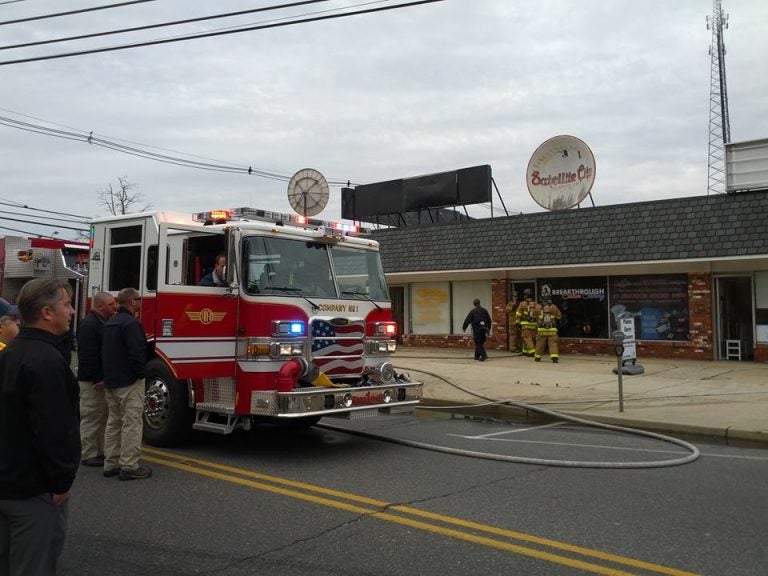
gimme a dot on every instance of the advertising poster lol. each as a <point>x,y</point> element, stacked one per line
<point>430,308</point>
<point>657,303</point>
<point>583,303</point>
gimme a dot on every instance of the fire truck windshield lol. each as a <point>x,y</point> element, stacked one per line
<point>289,267</point>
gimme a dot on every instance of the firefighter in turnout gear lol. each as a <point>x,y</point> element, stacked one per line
<point>527,322</point>
<point>547,316</point>
<point>513,327</point>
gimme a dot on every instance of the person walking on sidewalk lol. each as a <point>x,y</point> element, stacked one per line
<point>513,327</point>
<point>547,316</point>
<point>124,363</point>
<point>90,378</point>
<point>527,322</point>
<point>40,442</point>
<point>480,321</point>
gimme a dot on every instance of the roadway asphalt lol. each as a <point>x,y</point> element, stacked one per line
<point>724,399</point>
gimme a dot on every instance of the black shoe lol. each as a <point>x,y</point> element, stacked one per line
<point>554,360</point>
<point>483,358</point>
<point>94,461</point>
<point>111,473</point>
<point>537,359</point>
<point>135,473</point>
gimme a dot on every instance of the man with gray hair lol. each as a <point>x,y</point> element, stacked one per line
<point>124,362</point>
<point>90,377</point>
<point>40,439</point>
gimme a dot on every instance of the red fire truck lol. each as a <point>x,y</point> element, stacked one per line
<point>301,329</point>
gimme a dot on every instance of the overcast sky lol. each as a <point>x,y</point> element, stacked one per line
<point>371,97</point>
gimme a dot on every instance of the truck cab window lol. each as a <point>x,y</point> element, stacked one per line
<point>359,274</point>
<point>287,267</point>
<point>125,257</point>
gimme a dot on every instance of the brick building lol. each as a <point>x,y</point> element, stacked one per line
<point>692,272</point>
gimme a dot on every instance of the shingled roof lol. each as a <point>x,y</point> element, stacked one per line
<point>699,227</point>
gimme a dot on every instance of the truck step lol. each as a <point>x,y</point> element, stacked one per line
<point>203,422</point>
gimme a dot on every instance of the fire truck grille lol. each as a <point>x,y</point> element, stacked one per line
<point>337,346</point>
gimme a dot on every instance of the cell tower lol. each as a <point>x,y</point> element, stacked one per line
<point>719,125</point>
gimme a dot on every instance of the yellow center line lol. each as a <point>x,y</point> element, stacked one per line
<point>243,477</point>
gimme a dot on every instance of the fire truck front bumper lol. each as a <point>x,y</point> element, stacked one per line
<point>340,402</point>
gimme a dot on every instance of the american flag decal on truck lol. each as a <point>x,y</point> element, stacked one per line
<point>337,346</point>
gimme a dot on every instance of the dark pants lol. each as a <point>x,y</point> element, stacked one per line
<point>32,532</point>
<point>479,338</point>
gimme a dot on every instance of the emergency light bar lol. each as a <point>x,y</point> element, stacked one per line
<point>280,219</point>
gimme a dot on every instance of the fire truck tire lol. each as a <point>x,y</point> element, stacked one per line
<point>167,416</point>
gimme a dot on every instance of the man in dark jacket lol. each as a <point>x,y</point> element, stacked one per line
<point>90,377</point>
<point>217,276</point>
<point>480,321</point>
<point>39,432</point>
<point>124,358</point>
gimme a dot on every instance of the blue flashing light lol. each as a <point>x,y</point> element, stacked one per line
<point>296,328</point>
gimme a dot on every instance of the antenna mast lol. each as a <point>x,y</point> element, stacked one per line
<point>719,124</point>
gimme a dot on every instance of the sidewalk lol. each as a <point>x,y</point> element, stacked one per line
<point>718,399</point>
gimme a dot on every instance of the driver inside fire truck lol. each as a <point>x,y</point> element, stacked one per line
<point>217,276</point>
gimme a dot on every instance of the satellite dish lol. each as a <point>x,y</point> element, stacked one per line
<point>560,173</point>
<point>308,192</point>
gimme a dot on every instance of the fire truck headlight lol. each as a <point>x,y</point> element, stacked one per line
<point>387,396</point>
<point>382,346</point>
<point>288,349</point>
<point>346,400</point>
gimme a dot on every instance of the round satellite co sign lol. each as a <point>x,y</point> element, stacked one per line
<point>560,173</point>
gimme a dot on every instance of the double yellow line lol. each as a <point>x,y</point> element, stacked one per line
<point>482,534</point>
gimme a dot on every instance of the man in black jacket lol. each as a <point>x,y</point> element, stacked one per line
<point>90,377</point>
<point>480,321</point>
<point>124,362</point>
<point>39,432</point>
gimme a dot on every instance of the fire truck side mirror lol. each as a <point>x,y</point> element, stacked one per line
<point>231,268</point>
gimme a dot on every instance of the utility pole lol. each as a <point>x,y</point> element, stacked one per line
<point>719,124</point>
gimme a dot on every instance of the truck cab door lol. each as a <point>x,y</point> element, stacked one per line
<point>195,326</point>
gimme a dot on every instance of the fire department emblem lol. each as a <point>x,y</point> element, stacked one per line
<point>206,316</point>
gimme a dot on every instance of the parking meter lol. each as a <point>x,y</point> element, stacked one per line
<point>618,341</point>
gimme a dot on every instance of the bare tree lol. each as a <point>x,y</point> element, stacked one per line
<point>122,199</point>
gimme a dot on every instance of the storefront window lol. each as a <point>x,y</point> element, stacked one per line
<point>583,303</point>
<point>464,294</point>
<point>430,308</point>
<point>659,305</point>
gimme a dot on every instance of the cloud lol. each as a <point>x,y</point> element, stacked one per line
<point>380,96</point>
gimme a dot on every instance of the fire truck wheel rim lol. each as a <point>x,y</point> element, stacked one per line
<point>156,403</point>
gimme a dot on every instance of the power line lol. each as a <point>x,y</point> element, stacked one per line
<point>19,205</point>
<point>27,231</point>
<point>216,33</point>
<point>46,225</point>
<point>56,15</point>
<point>146,154</point>
<point>45,217</point>
<point>160,25</point>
